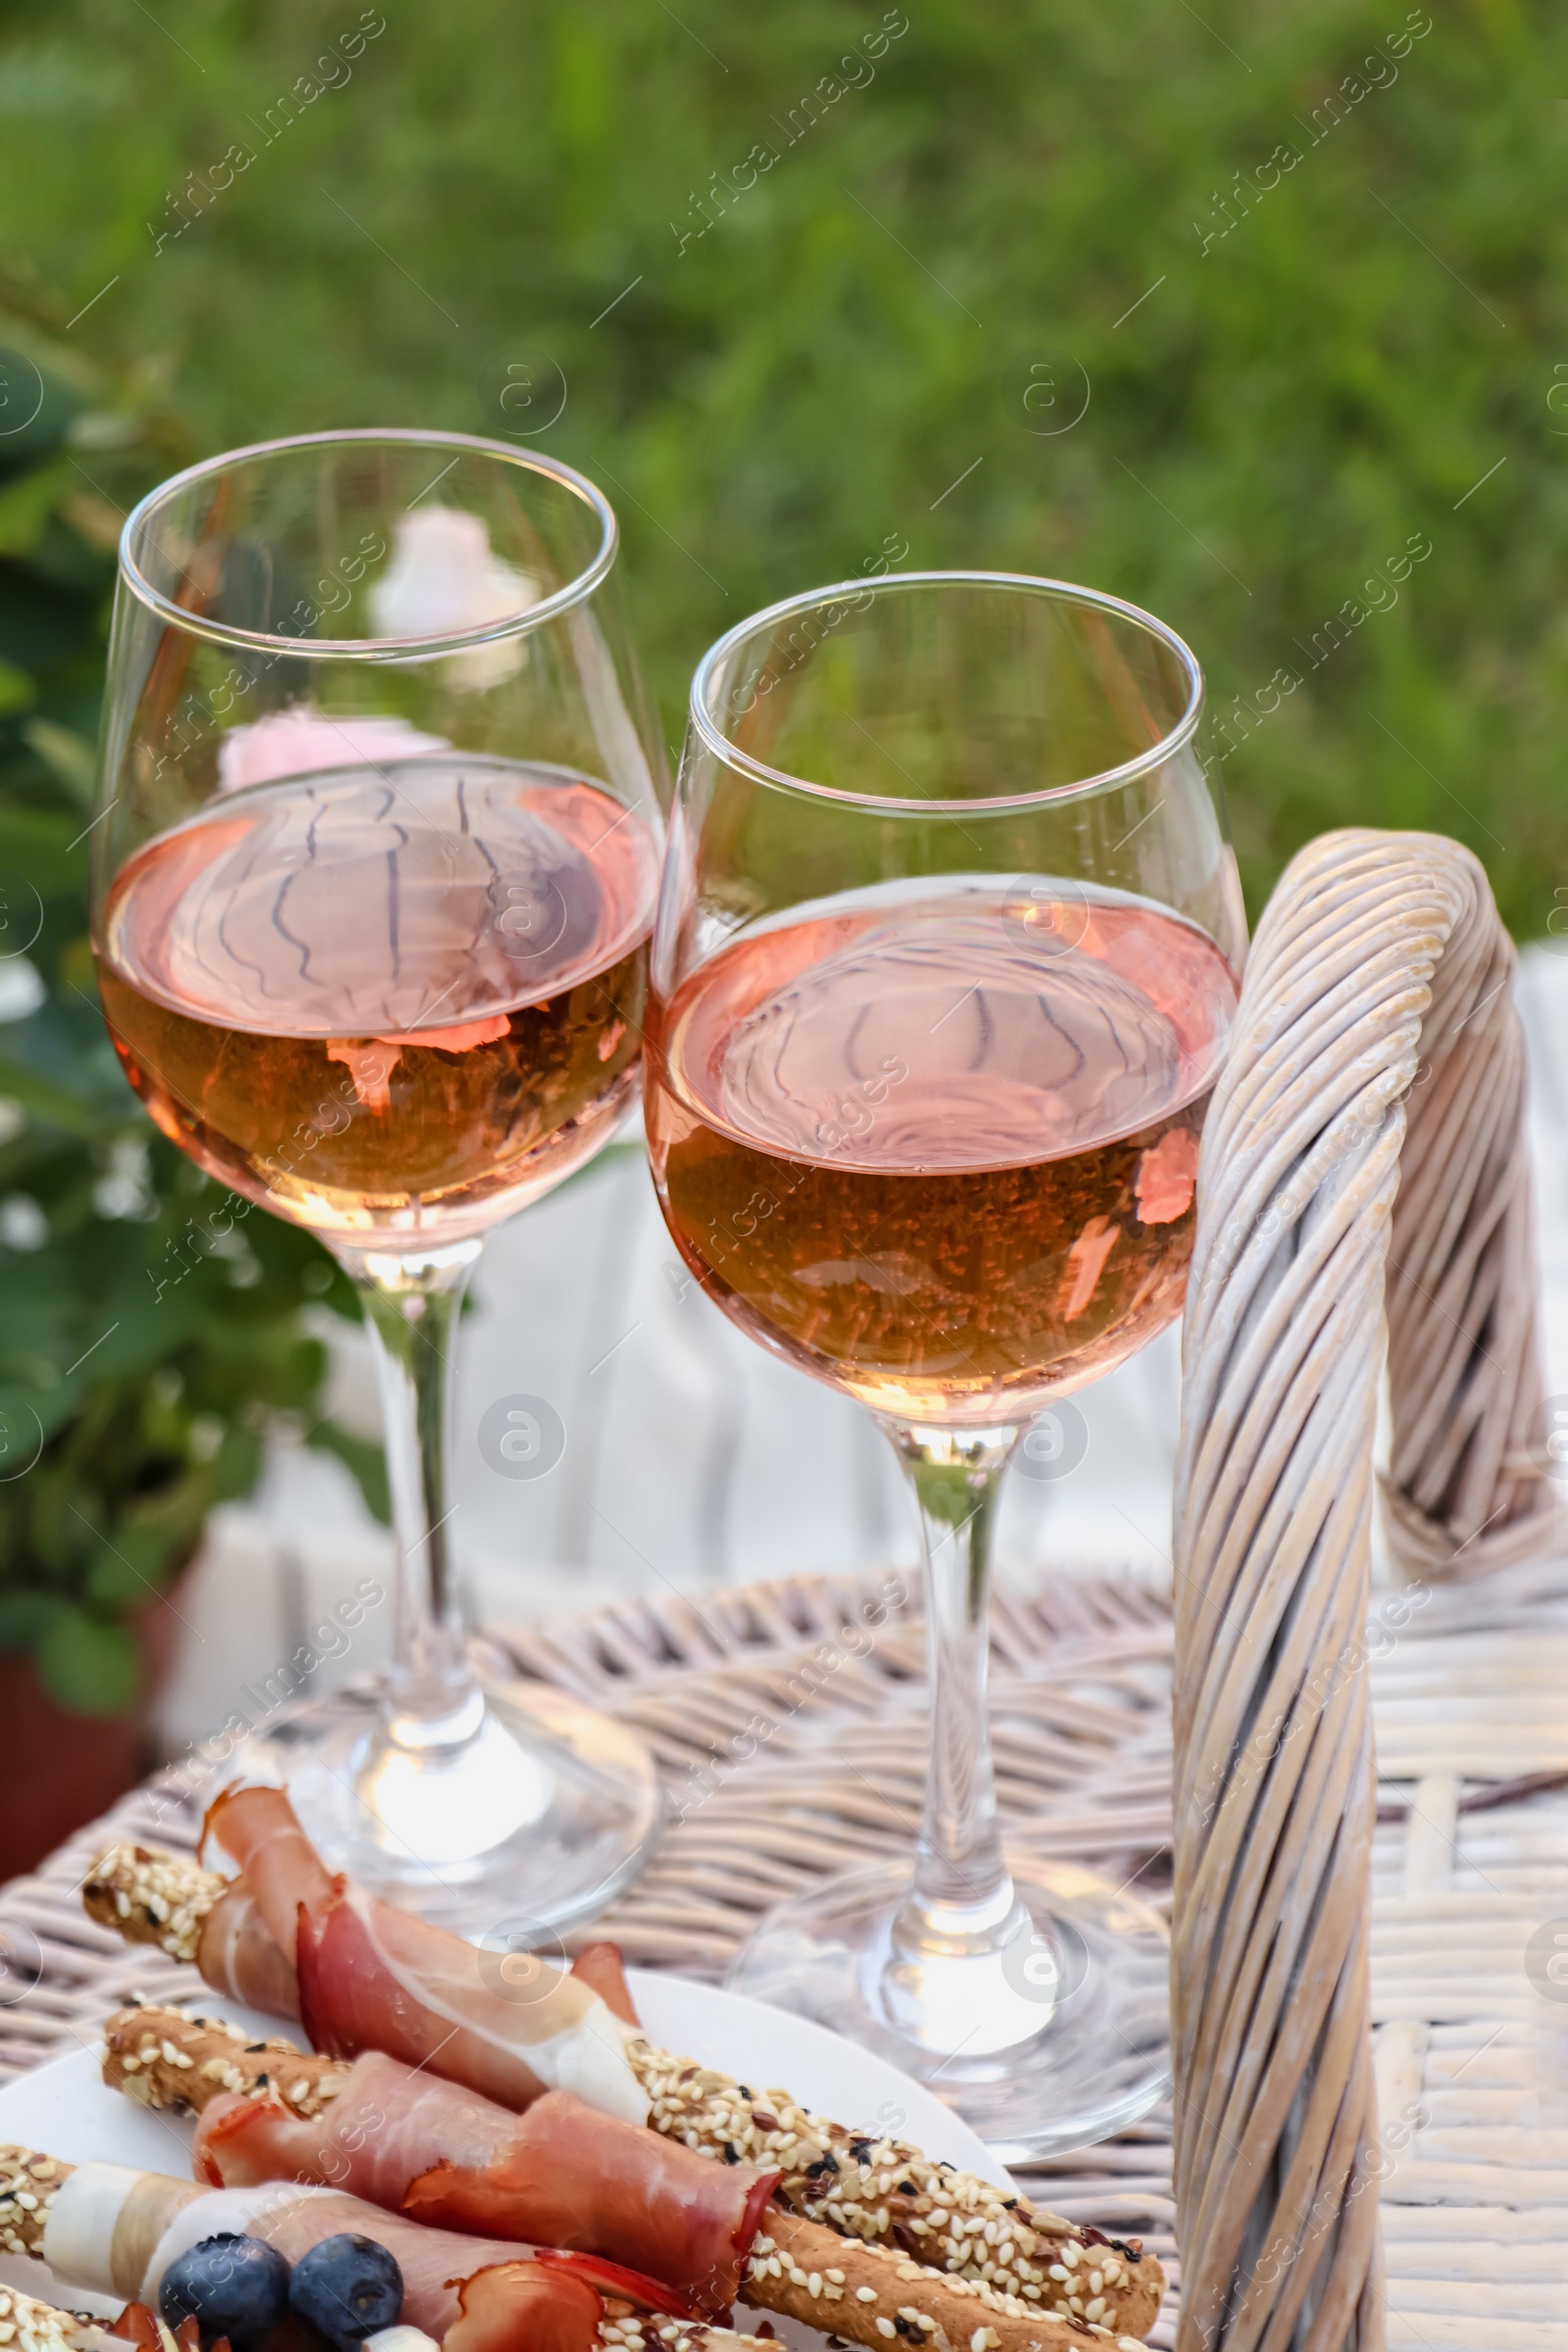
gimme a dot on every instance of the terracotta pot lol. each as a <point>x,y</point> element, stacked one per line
<point>59,1769</point>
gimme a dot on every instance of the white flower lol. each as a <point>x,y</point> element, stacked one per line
<point>23,1223</point>
<point>124,1190</point>
<point>445,576</point>
<point>21,988</point>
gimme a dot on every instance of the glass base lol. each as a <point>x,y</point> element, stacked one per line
<point>1055,2041</point>
<point>530,1826</point>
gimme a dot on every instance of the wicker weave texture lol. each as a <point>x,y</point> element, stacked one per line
<point>1380,972</point>
<point>1472,2062</point>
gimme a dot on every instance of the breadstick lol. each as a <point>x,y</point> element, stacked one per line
<point>875,2295</point>
<point>878,2190</point>
<point>162,2059</point>
<point>149,1897</point>
<point>29,2325</point>
<point>27,2185</point>
<point>863,2291</point>
<point>623,2329</point>
<point>884,2191</point>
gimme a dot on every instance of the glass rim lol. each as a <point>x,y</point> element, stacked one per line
<point>706,726</point>
<point>373,649</point>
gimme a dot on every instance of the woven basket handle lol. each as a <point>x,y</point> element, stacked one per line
<point>1364,1154</point>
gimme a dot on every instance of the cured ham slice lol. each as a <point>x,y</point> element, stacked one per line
<point>572,2176</point>
<point>117,2230</point>
<point>520,2307</point>
<point>602,1968</point>
<point>238,1954</point>
<point>260,1831</point>
<point>373,1976</point>
<point>564,2173</point>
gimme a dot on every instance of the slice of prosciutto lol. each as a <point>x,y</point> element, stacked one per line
<point>564,2173</point>
<point>602,1968</point>
<point>522,2307</point>
<point>372,1976</point>
<point>238,1954</point>
<point>118,2230</point>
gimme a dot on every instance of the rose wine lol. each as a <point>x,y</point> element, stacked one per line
<point>936,1141</point>
<point>387,1002</point>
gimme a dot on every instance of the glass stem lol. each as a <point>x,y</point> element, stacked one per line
<point>411,1306</point>
<point>961,1903</point>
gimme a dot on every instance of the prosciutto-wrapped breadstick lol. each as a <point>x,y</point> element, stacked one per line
<point>490,2311</point>
<point>117,2230</point>
<point>564,2173</point>
<point>268,2112</point>
<point>373,1977</point>
<point>879,2190</point>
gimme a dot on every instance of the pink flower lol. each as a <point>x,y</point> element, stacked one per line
<point>299,740</point>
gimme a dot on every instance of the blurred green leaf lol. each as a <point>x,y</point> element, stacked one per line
<point>136,1379</point>
<point>365,1459</point>
<point>26,504</point>
<point>68,756</point>
<point>47,1099</point>
<point>37,847</point>
<point>88,1665</point>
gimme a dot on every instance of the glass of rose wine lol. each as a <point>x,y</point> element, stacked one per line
<point>375,862</point>
<point>945,964</point>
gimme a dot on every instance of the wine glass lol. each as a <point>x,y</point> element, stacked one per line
<point>375,861</point>
<point>945,964</point>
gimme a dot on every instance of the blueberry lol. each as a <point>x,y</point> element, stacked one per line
<point>229,2286</point>
<point>348,2288</point>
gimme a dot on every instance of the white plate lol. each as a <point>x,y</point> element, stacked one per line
<point>65,2108</point>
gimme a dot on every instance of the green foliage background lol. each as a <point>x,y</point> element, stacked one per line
<point>147,1336</point>
<point>1376,333</point>
<point>886,335</point>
